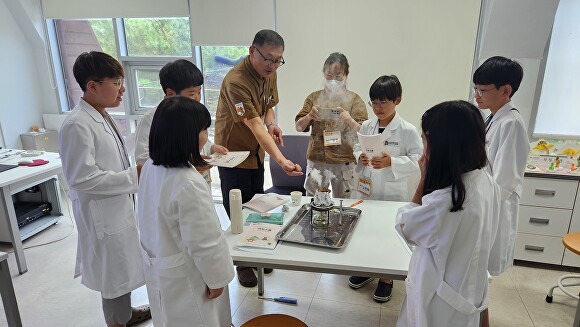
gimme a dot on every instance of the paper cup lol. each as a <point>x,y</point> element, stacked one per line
<point>296,197</point>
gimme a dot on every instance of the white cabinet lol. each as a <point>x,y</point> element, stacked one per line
<point>549,209</point>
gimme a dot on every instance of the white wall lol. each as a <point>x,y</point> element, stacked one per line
<point>427,44</point>
<point>519,29</point>
<point>514,28</point>
<point>25,91</point>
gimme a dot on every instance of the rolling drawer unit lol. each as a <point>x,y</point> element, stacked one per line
<point>549,209</point>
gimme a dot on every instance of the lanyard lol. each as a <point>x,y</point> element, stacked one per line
<point>489,121</point>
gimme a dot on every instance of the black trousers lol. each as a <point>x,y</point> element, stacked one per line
<point>249,181</point>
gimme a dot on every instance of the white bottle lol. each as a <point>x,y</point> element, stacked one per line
<point>236,211</point>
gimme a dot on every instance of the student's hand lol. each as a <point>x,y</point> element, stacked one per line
<point>381,162</point>
<point>363,159</point>
<point>139,167</point>
<point>203,169</point>
<point>291,169</point>
<point>276,133</point>
<point>212,293</point>
<point>313,114</point>
<point>218,149</point>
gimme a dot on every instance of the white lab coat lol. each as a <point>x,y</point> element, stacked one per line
<point>507,150</point>
<point>183,247</point>
<point>142,138</point>
<point>403,143</point>
<point>96,167</point>
<point>447,280</point>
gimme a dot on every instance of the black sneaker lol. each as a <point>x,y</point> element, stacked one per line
<point>383,292</point>
<point>357,282</point>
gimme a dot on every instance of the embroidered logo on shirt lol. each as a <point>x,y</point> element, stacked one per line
<point>240,109</point>
<point>393,143</point>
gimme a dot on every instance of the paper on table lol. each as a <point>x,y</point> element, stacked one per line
<point>371,145</point>
<point>259,235</point>
<point>265,202</point>
<point>229,160</point>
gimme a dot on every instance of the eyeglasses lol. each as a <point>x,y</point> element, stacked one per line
<point>118,83</point>
<point>480,92</point>
<point>338,77</point>
<point>276,63</point>
<point>377,103</point>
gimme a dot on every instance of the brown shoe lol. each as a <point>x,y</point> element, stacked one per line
<point>246,276</point>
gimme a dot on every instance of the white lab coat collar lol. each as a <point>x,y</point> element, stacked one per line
<point>506,108</point>
<point>394,124</point>
<point>94,113</point>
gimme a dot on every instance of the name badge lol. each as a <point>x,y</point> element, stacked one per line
<point>332,138</point>
<point>364,186</point>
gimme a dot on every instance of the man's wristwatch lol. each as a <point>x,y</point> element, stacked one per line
<point>270,124</point>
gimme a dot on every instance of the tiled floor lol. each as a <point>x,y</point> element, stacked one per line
<point>49,296</point>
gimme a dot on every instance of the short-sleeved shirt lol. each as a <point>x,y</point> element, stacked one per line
<point>244,95</point>
<point>334,154</point>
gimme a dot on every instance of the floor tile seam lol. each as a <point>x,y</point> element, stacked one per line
<point>525,307</point>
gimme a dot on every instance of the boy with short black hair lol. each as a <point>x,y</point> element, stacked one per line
<point>180,77</point>
<point>496,81</point>
<point>388,175</point>
<point>102,183</point>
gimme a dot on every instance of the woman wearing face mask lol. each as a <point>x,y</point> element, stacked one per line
<point>333,116</point>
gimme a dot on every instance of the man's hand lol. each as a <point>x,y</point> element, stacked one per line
<point>212,293</point>
<point>218,149</point>
<point>363,159</point>
<point>381,162</point>
<point>291,169</point>
<point>276,133</point>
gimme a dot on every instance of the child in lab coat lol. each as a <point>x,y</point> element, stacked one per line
<point>179,77</point>
<point>386,175</point>
<point>102,183</point>
<point>496,81</point>
<point>452,221</point>
<point>186,257</point>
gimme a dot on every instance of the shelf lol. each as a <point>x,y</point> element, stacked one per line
<point>37,226</point>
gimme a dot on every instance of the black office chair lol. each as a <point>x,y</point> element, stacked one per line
<point>294,149</point>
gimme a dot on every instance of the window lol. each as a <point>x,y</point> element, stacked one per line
<point>157,36</point>
<point>77,36</point>
<point>558,106</point>
<point>216,62</point>
<point>142,46</point>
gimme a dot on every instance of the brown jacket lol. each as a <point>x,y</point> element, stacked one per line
<point>335,154</point>
<point>244,95</point>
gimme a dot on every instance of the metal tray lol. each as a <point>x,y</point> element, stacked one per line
<point>299,229</point>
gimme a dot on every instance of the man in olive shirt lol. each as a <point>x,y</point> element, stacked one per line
<point>247,98</point>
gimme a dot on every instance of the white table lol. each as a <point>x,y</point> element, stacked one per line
<point>375,249</point>
<point>21,178</point>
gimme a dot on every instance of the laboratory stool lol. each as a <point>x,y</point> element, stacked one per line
<point>271,320</point>
<point>571,242</point>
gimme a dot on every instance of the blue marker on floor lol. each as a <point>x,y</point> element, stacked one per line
<point>283,299</point>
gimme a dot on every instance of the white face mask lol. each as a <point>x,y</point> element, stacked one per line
<point>334,85</point>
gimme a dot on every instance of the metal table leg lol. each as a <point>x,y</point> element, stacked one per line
<point>260,281</point>
<point>14,231</point>
<point>577,317</point>
<point>8,296</point>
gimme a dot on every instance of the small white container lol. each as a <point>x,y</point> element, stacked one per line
<point>296,197</point>
<point>236,216</point>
